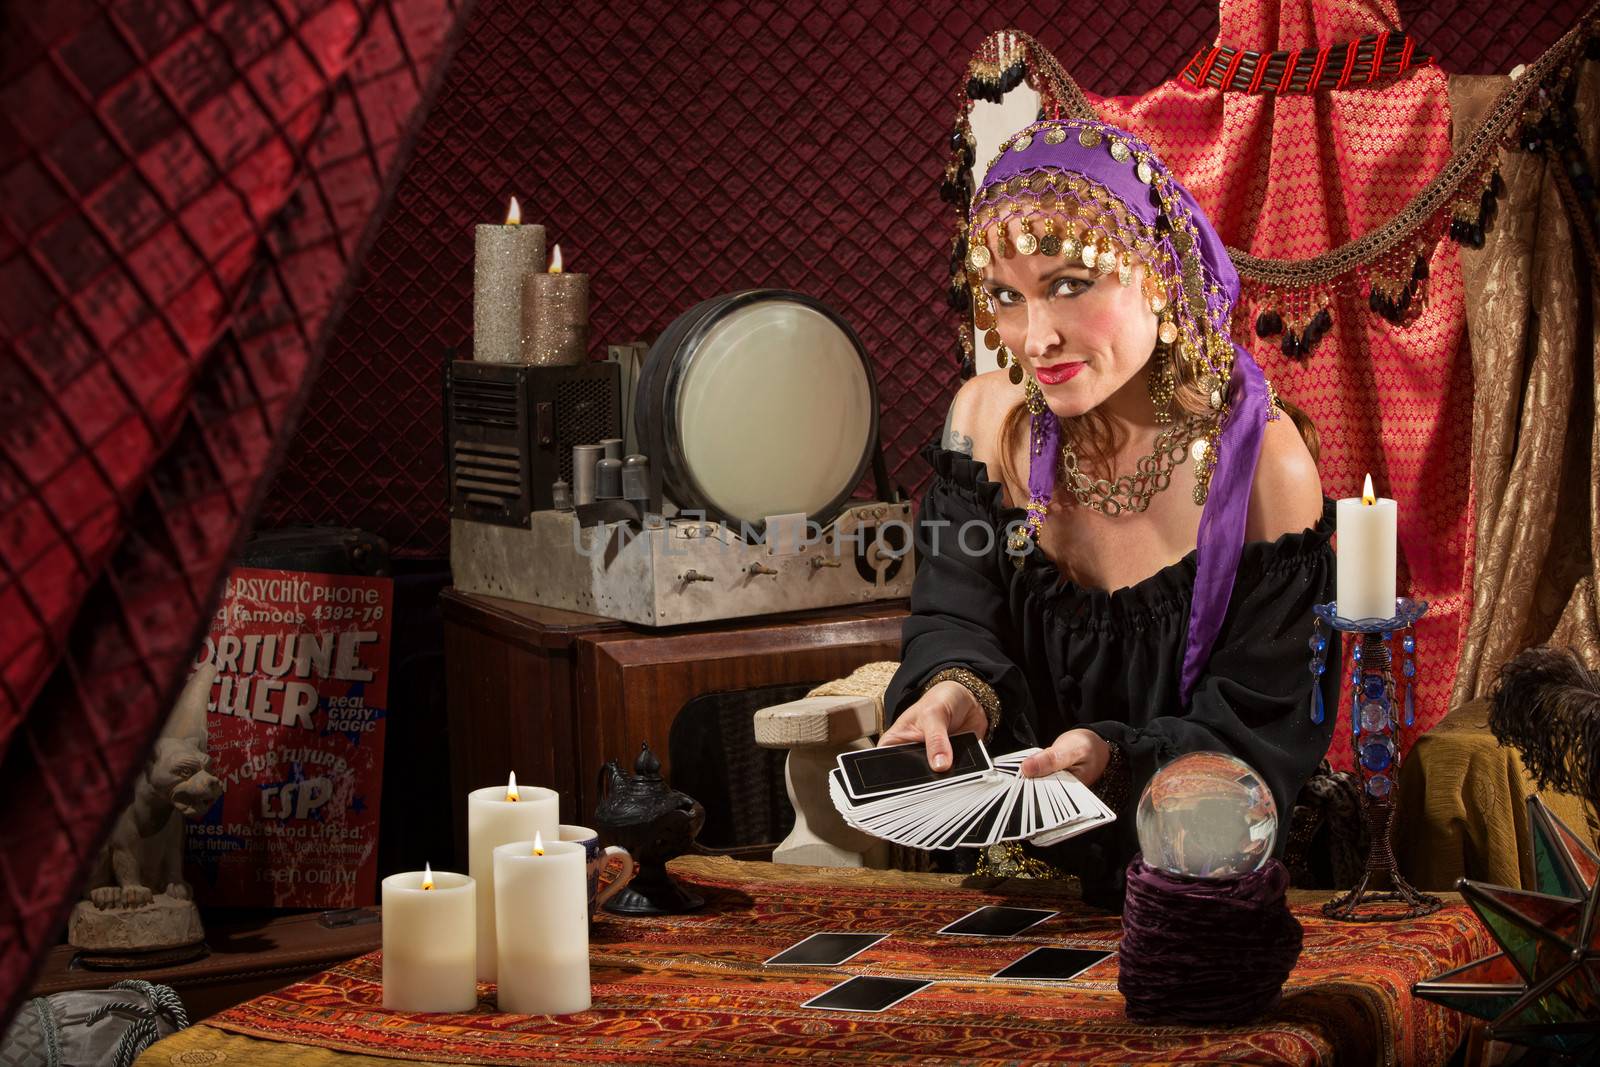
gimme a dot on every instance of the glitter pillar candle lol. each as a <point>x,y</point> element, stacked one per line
<point>493,818</point>
<point>555,316</point>
<point>502,257</point>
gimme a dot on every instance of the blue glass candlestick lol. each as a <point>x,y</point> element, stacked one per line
<point>1375,737</point>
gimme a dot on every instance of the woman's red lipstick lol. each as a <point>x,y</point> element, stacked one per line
<point>1059,373</point>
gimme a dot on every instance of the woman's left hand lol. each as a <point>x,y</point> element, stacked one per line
<point>1084,753</point>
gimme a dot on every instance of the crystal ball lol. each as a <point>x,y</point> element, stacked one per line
<point>1207,815</point>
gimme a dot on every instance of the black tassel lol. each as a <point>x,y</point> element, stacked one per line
<point>1317,328</point>
<point>1268,324</point>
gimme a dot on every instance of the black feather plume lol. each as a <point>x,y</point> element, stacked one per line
<point>1546,705</point>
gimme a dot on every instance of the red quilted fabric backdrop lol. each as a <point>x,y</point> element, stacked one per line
<point>184,191</point>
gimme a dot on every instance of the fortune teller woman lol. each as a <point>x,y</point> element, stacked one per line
<point>1123,537</point>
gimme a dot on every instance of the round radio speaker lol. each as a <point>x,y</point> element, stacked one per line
<point>758,403</point>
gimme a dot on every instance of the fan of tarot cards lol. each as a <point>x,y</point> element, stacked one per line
<point>894,794</point>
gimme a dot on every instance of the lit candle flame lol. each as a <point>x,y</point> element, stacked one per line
<point>514,213</point>
<point>511,788</point>
<point>555,261</point>
<point>538,843</point>
<point>1368,497</point>
<point>427,876</point>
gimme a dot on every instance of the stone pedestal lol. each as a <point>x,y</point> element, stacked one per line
<point>165,922</point>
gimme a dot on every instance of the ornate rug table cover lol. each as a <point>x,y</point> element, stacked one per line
<point>692,989</point>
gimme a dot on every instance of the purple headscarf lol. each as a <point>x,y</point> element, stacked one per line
<point>1128,169</point>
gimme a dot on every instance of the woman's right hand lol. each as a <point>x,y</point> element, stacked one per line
<point>946,708</point>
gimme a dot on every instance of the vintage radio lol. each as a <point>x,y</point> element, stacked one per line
<point>511,429</point>
<point>757,416</point>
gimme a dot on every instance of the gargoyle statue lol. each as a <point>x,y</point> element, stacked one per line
<point>137,898</point>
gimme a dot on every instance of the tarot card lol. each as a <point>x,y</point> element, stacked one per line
<point>873,772</point>
<point>866,992</point>
<point>1050,964</point>
<point>825,950</point>
<point>997,921</point>
<point>951,825</point>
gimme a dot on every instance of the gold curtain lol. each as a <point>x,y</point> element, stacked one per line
<point>1531,304</point>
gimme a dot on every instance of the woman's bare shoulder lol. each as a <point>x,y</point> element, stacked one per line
<point>976,412</point>
<point>1286,496</point>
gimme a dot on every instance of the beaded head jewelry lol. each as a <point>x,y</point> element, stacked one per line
<point>1099,196</point>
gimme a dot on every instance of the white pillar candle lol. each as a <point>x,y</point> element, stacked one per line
<point>494,819</point>
<point>430,942</point>
<point>542,926</point>
<point>1365,569</point>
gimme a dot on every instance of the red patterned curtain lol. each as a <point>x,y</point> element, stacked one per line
<point>1291,176</point>
<point>187,189</point>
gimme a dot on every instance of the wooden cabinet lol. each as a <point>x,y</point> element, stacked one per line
<point>554,694</point>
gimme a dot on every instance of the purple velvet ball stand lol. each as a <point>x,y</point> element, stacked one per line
<point>1205,950</point>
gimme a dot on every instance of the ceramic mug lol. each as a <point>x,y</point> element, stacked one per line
<point>597,858</point>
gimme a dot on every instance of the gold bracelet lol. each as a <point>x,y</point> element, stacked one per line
<point>981,690</point>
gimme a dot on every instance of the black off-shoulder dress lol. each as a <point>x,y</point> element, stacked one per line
<point>1062,656</point>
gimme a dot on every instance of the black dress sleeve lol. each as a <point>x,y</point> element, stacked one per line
<point>1254,698</point>
<point>959,597</point>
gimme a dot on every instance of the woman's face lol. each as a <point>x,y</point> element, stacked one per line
<point>1084,335</point>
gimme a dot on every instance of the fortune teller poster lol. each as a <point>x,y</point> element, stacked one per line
<point>296,721</point>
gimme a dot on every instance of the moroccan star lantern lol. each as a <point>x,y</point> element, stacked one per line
<point>1542,989</point>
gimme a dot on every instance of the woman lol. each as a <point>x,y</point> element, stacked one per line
<point>1148,586</point>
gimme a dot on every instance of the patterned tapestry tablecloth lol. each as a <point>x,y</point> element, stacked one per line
<point>691,989</point>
